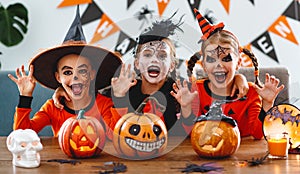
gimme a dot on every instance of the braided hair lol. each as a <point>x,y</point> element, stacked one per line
<point>224,36</point>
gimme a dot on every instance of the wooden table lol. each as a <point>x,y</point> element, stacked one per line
<point>177,156</point>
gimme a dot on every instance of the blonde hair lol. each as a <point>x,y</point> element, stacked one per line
<point>226,37</point>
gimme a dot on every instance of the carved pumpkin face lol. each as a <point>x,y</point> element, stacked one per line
<point>82,137</point>
<point>140,136</point>
<point>283,118</point>
<point>215,139</point>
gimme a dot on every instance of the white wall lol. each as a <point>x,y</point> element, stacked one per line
<point>49,24</point>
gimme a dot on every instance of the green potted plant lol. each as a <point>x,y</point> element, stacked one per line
<point>13,24</point>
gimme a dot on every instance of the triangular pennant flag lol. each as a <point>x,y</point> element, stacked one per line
<point>162,4</point>
<point>105,28</point>
<point>265,45</point>
<point>246,61</point>
<point>293,11</point>
<point>226,5</point>
<point>91,13</point>
<point>124,44</point>
<point>194,4</point>
<point>73,2</point>
<point>129,2</point>
<point>252,1</point>
<point>282,28</point>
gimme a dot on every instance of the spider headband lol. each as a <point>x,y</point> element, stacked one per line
<point>160,30</point>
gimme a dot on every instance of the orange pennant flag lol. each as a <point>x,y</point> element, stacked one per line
<point>105,28</point>
<point>246,61</point>
<point>282,28</point>
<point>162,4</point>
<point>226,5</point>
<point>73,2</point>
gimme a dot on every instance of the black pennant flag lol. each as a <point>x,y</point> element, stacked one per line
<point>129,2</point>
<point>252,1</point>
<point>194,4</point>
<point>91,13</point>
<point>265,45</point>
<point>124,44</point>
<point>293,11</point>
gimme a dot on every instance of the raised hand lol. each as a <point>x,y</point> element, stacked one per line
<point>25,83</point>
<point>121,85</point>
<point>269,91</point>
<point>184,97</point>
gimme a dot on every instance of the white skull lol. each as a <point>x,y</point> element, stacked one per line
<point>24,146</point>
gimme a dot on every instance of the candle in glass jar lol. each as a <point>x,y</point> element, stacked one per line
<point>277,146</point>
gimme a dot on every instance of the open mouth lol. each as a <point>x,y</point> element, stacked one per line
<point>144,146</point>
<point>85,145</point>
<point>220,77</point>
<point>153,71</point>
<point>76,88</point>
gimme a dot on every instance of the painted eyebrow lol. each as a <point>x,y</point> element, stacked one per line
<point>68,67</point>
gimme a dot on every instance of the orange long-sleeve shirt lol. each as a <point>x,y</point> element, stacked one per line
<point>51,115</point>
<point>245,112</point>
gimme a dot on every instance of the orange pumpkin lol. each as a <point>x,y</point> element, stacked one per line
<point>215,135</point>
<point>140,135</point>
<point>82,136</point>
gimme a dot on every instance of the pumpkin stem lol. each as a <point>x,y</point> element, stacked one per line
<point>139,110</point>
<point>81,114</point>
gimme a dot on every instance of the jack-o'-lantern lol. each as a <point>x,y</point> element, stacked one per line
<point>214,134</point>
<point>284,119</point>
<point>140,135</point>
<point>82,136</point>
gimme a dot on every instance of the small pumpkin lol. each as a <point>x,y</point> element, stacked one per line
<point>140,135</point>
<point>215,135</point>
<point>81,136</point>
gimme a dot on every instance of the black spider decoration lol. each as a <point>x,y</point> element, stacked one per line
<point>62,161</point>
<point>257,161</point>
<point>206,167</point>
<point>142,15</point>
<point>112,167</point>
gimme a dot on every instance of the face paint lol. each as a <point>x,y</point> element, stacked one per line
<point>154,61</point>
<point>220,62</point>
<point>75,75</point>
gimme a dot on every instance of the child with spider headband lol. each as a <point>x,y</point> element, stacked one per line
<point>80,69</point>
<point>155,64</point>
<point>221,54</point>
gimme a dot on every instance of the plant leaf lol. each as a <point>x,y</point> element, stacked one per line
<point>13,24</point>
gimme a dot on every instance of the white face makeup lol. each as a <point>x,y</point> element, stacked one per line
<point>154,61</point>
<point>75,74</point>
<point>220,63</point>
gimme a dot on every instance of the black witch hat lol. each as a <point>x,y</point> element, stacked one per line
<point>103,60</point>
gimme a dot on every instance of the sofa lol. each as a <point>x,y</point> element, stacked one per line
<point>9,95</point>
<point>280,72</point>
<point>9,98</point>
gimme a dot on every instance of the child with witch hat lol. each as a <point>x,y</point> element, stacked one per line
<point>80,69</point>
<point>221,54</point>
<point>155,64</point>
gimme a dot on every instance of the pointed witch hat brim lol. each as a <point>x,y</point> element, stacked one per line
<point>106,62</point>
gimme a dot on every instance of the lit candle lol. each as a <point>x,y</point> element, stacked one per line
<point>277,146</point>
